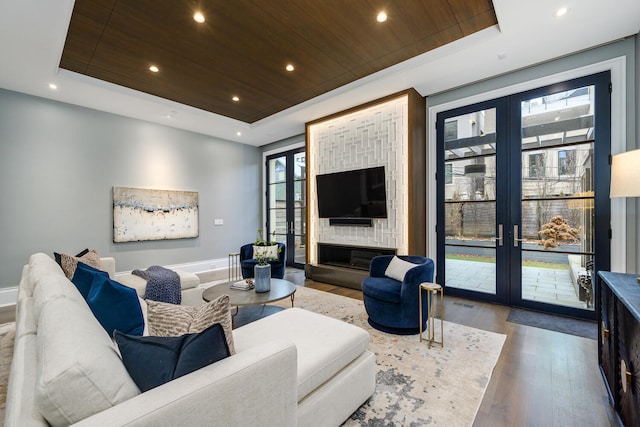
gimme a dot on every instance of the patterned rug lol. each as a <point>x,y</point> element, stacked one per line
<point>415,385</point>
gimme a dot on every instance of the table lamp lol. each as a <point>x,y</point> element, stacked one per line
<point>625,176</point>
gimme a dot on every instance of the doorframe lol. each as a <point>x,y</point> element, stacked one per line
<point>266,154</point>
<point>617,67</point>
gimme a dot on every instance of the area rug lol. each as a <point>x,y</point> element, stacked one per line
<point>7,335</point>
<point>416,385</point>
<point>566,325</point>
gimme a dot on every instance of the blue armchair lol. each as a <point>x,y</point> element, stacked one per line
<point>247,262</point>
<point>393,306</point>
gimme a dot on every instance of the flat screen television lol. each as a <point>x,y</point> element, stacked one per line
<point>352,194</point>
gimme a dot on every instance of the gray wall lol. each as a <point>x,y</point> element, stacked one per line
<point>629,48</point>
<point>58,164</point>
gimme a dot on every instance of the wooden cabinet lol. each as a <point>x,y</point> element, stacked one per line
<point>618,307</point>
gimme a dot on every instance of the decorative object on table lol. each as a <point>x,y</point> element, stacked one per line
<point>390,292</point>
<point>625,176</point>
<point>264,252</point>
<point>146,214</point>
<point>242,285</point>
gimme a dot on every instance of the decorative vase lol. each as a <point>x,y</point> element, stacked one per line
<point>262,277</point>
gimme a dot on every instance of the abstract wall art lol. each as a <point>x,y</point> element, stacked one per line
<point>146,214</point>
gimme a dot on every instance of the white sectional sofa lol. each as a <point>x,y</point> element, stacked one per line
<point>292,368</point>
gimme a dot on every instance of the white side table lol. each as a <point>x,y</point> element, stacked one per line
<point>434,291</point>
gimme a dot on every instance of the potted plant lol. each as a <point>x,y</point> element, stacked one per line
<point>263,252</point>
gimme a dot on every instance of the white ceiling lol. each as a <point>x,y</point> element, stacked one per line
<point>32,35</point>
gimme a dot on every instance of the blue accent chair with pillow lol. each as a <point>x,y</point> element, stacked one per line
<point>392,304</point>
<point>247,262</point>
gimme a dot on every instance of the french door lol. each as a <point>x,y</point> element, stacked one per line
<point>522,190</point>
<point>286,203</point>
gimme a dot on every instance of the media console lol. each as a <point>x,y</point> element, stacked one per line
<point>344,265</point>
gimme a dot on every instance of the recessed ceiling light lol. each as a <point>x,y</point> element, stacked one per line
<point>382,16</point>
<point>239,133</point>
<point>154,69</point>
<point>290,67</point>
<point>53,86</point>
<point>561,11</point>
<point>198,17</point>
<point>235,99</point>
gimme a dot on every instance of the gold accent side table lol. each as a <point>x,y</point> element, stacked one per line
<point>234,267</point>
<point>434,291</point>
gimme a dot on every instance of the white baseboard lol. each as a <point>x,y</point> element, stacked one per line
<point>194,267</point>
<point>8,296</point>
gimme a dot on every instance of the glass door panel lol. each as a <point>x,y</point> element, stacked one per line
<point>286,203</point>
<point>557,241</point>
<point>470,201</point>
<point>299,221</point>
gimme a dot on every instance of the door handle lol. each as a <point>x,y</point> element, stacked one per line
<point>500,238</point>
<point>515,236</point>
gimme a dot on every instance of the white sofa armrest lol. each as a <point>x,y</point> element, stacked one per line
<point>250,388</point>
<point>108,264</point>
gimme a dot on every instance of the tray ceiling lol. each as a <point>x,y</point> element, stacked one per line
<point>243,46</point>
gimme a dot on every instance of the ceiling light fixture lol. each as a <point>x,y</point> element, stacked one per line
<point>561,11</point>
<point>154,69</point>
<point>53,86</point>
<point>235,99</point>
<point>290,67</point>
<point>239,133</point>
<point>198,17</point>
<point>382,16</point>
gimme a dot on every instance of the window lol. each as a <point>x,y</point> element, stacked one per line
<point>567,162</point>
<point>451,130</point>
<point>448,173</point>
<point>536,165</point>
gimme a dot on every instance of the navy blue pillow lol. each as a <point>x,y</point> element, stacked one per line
<point>115,306</point>
<point>153,361</point>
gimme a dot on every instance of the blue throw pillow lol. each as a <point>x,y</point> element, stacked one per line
<point>115,306</point>
<point>152,361</point>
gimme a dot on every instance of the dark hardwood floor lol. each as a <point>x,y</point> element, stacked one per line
<point>542,378</point>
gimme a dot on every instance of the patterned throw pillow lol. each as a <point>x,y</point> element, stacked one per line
<point>70,263</point>
<point>171,320</point>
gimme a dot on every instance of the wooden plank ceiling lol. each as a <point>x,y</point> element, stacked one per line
<point>244,45</point>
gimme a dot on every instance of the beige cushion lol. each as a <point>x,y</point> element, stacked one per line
<point>325,345</point>
<point>56,287</point>
<point>70,263</point>
<point>79,372</point>
<point>41,266</point>
<point>172,320</point>
<point>397,268</point>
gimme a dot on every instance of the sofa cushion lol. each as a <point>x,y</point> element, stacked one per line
<point>398,268</point>
<point>69,263</point>
<point>325,345</point>
<point>114,305</point>
<point>152,361</point>
<point>57,286</point>
<point>79,372</point>
<point>170,320</point>
<point>41,267</point>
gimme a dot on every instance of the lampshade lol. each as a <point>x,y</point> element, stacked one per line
<point>625,174</point>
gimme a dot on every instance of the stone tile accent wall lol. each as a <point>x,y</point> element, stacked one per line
<point>374,136</point>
